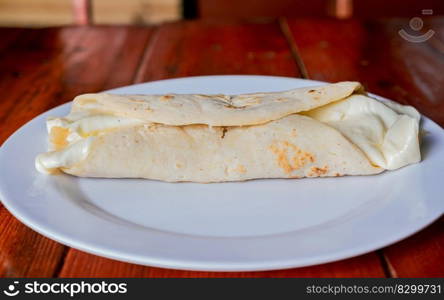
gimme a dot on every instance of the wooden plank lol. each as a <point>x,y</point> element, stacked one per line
<point>9,35</point>
<point>260,9</point>
<point>23,252</point>
<point>421,255</point>
<point>22,249</point>
<point>395,8</point>
<point>42,69</point>
<point>372,52</point>
<point>81,264</point>
<point>257,9</point>
<point>435,25</point>
<point>197,48</point>
<point>31,67</point>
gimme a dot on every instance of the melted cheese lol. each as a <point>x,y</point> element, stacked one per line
<point>70,138</point>
<point>386,133</point>
<point>85,125</point>
<point>50,162</point>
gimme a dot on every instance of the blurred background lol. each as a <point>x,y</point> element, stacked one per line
<point>43,13</point>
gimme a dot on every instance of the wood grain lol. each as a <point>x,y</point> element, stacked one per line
<point>257,9</point>
<point>372,52</point>
<point>421,255</point>
<point>260,9</point>
<point>81,264</point>
<point>198,48</point>
<point>23,252</point>
<point>208,48</point>
<point>40,70</point>
<point>8,35</point>
<point>395,8</point>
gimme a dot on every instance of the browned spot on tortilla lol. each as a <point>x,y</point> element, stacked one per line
<point>178,165</point>
<point>337,174</point>
<point>234,107</point>
<point>290,157</point>
<point>281,157</point>
<point>294,132</point>
<point>316,171</point>
<point>166,98</point>
<point>281,100</point>
<point>224,131</point>
<point>316,93</point>
<point>374,165</point>
<point>241,169</point>
<point>152,127</point>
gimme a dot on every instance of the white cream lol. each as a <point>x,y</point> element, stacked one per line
<point>82,129</point>
<point>386,133</point>
<point>91,123</point>
<point>49,162</point>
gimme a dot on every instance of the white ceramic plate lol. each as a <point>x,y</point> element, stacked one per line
<point>254,225</point>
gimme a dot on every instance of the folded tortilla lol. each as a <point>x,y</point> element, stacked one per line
<point>331,130</point>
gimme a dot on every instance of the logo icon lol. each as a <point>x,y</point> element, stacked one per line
<point>11,291</point>
<point>416,24</point>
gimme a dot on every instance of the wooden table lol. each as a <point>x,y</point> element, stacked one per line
<point>42,68</point>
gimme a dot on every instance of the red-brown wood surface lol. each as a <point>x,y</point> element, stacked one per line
<point>210,48</point>
<point>260,9</point>
<point>40,69</point>
<point>257,9</point>
<point>81,264</point>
